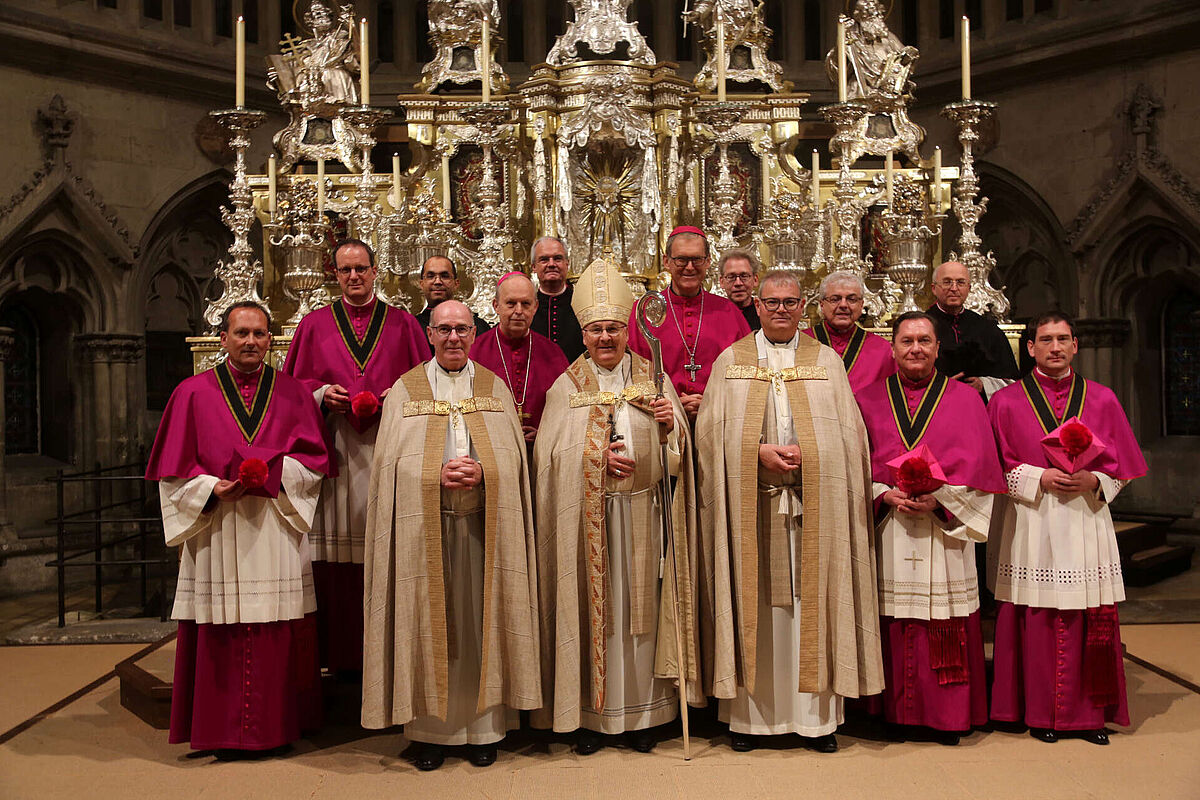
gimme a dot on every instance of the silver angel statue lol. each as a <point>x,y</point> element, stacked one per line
<point>747,39</point>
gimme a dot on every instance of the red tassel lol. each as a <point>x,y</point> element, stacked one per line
<point>1099,658</point>
<point>948,650</point>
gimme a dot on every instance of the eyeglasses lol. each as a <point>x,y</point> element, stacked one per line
<point>738,277</point>
<point>344,271</point>
<point>947,283</point>
<point>445,277</point>
<point>689,261</point>
<point>852,299</point>
<point>614,329</point>
<point>445,330</point>
<point>773,303</point>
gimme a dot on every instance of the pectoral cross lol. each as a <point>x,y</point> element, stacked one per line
<point>692,368</point>
<point>521,412</point>
<point>913,560</point>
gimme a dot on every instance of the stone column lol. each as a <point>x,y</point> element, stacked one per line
<point>7,342</point>
<point>110,429</point>
<point>1099,339</point>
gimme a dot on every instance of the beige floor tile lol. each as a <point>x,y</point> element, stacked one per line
<point>37,677</point>
<point>1175,648</point>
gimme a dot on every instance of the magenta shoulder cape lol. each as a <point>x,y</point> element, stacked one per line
<point>319,354</point>
<point>873,360</point>
<point>546,363</point>
<point>957,433</point>
<point>198,434</point>
<point>1019,433</point>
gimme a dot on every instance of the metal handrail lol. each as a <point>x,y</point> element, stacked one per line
<point>94,518</point>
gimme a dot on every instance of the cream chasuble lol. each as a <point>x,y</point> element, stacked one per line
<point>450,606</point>
<point>245,561</point>
<point>776,707</point>
<point>609,665</point>
<point>810,565</point>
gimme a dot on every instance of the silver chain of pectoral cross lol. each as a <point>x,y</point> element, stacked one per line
<point>692,367</point>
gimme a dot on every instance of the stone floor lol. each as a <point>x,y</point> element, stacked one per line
<point>89,746</point>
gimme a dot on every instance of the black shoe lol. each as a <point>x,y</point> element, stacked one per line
<point>821,744</point>
<point>895,732</point>
<point>429,758</point>
<point>587,742</point>
<point>641,741</point>
<point>1044,735</point>
<point>1095,737</point>
<point>741,742</point>
<point>947,738</point>
<point>482,755</point>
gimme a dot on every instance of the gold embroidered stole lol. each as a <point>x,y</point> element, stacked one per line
<point>595,534</point>
<point>423,404</point>
<point>746,366</point>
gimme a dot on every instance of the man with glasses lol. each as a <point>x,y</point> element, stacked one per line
<point>439,282</point>
<point>348,354</point>
<point>739,279</point>
<point>866,356</point>
<point>973,348</point>
<point>699,324</point>
<point>785,519</point>
<point>450,603</point>
<point>555,319</point>
<point>528,362</point>
<point>608,644</point>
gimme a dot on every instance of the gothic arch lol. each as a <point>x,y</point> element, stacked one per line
<point>180,246</point>
<point>59,264</point>
<point>1033,263</point>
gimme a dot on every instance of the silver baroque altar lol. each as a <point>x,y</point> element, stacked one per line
<point>607,153</point>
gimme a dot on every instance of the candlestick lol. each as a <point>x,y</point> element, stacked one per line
<point>766,185</point>
<point>966,58</point>
<point>937,180</point>
<point>320,187</point>
<point>816,180</point>
<point>364,62</point>
<point>720,57</point>
<point>396,179</point>
<point>485,58</point>
<point>841,57</point>
<point>272,179</point>
<point>888,178</point>
<point>446,184</point>
<point>240,63</point>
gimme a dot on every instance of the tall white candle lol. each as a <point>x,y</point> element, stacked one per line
<point>364,61</point>
<point>485,58</point>
<point>720,57</point>
<point>937,180</point>
<point>396,180</point>
<point>320,187</point>
<point>272,180</point>
<point>815,188</point>
<point>888,178</point>
<point>446,184</point>
<point>841,60</point>
<point>966,58</point>
<point>240,63</point>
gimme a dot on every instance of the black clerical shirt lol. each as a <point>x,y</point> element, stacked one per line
<point>555,319</point>
<point>972,344</point>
